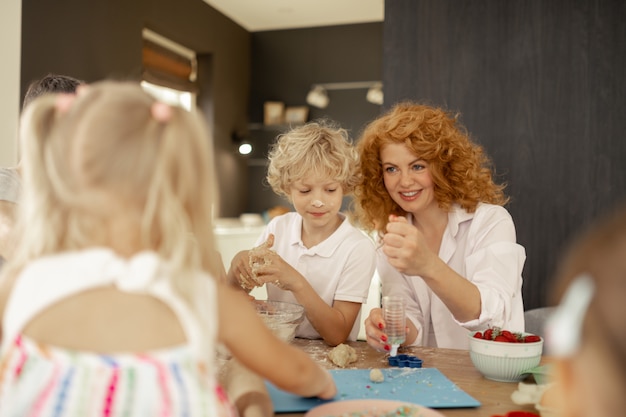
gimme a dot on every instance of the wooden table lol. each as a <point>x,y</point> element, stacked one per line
<point>456,365</point>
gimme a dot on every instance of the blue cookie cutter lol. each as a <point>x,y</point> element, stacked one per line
<point>405,361</point>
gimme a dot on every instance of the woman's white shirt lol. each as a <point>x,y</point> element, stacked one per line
<point>481,247</point>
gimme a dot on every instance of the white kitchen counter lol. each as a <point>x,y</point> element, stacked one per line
<point>232,236</point>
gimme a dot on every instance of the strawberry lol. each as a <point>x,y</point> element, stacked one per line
<point>488,334</point>
<point>510,337</point>
<point>531,338</point>
<point>499,335</point>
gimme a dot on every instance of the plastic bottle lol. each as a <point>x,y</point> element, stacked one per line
<point>394,314</point>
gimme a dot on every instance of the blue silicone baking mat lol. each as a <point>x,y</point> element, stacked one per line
<point>424,386</point>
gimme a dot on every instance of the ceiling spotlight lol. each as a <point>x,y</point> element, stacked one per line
<point>375,94</point>
<point>242,143</point>
<point>245,148</point>
<point>318,97</point>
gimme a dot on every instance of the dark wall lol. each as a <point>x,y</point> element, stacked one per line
<point>285,63</point>
<point>102,39</point>
<point>99,39</point>
<point>541,85</point>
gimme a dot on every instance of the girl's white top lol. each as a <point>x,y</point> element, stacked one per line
<point>10,185</point>
<point>44,380</point>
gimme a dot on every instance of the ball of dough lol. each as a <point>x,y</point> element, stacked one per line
<point>342,355</point>
<point>376,375</point>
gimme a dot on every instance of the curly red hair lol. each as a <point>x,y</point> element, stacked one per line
<point>460,169</point>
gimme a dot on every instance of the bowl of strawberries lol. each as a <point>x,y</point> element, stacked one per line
<point>503,355</point>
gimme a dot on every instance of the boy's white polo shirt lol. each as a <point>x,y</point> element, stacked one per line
<point>339,268</point>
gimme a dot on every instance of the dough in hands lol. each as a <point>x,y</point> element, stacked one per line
<point>342,355</point>
<point>257,257</point>
<point>261,256</point>
<point>246,282</point>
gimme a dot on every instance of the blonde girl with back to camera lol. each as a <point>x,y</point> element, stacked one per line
<point>318,259</point>
<point>110,305</point>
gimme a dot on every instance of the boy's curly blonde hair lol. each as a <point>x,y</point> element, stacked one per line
<point>314,149</point>
<point>460,169</point>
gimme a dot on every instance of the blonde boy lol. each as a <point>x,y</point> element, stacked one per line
<point>318,258</point>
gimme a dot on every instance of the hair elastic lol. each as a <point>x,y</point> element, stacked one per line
<point>82,89</point>
<point>161,111</point>
<point>64,101</point>
<point>564,327</point>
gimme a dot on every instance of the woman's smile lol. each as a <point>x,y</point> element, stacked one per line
<point>409,195</point>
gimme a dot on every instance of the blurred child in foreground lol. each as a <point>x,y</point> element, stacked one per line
<point>110,304</point>
<point>586,334</point>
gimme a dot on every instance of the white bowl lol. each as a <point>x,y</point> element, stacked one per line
<point>502,361</point>
<point>281,317</point>
<point>251,219</point>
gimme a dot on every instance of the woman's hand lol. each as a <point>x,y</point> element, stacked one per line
<point>406,247</point>
<point>374,331</point>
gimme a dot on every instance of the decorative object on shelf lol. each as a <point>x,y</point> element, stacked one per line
<point>318,95</point>
<point>273,113</point>
<point>276,211</point>
<point>296,115</point>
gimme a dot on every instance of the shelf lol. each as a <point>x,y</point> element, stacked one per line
<point>269,128</point>
<point>257,162</point>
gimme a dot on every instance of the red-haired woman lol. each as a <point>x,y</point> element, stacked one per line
<point>447,244</point>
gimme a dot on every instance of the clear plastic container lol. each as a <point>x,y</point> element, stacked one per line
<point>394,315</point>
